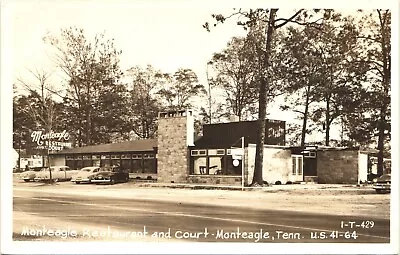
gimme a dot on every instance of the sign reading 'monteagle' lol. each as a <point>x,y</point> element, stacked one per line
<point>39,138</point>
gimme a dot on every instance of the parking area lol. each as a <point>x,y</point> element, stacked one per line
<point>317,198</point>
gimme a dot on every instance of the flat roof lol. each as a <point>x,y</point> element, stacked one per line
<point>128,146</point>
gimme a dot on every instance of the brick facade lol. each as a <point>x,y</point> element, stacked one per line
<point>338,166</point>
<point>173,153</point>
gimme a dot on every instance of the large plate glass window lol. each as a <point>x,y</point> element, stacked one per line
<point>136,164</point>
<point>115,160</point>
<point>95,160</point>
<point>87,160</point>
<point>149,165</point>
<point>126,162</point>
<point>105,160</point>
<point>78,162</point>
<point>70,161</point>
<point>199,165</point>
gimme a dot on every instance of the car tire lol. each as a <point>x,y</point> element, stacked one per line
<point>378,191</point>
<point>55,180</point>
<point>112,181</point>
<point>77,182</point>
<point>27,180</point>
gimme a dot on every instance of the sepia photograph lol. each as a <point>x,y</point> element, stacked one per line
<point>188,127</point>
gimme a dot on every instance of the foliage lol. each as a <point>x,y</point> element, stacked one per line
<point>376,28</point>
<point>181,87</point>
<point>143,102</point>
<point>235,75</point>
<point>92,68</point>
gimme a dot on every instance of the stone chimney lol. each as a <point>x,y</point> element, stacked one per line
<point>175,134</point>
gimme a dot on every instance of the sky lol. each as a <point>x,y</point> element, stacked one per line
<point>166,34</point>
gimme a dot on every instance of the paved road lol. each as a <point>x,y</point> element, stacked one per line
<point>169,221</point>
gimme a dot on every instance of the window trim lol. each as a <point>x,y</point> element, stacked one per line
<point>299,167</point>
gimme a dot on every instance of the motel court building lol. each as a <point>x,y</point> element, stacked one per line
<point>224,154</point>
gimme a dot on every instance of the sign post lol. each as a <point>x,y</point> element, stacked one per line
<point>238,154</point>
<point>243,175</point>
<point>51,141</point>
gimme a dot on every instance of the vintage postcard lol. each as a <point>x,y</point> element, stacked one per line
<point>199,128</point>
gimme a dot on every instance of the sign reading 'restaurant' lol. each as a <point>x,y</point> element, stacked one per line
<point>51,140</point>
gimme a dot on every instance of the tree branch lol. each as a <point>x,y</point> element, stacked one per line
<point>285,21</point>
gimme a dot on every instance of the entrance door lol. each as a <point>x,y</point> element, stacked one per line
<point>310,165</point>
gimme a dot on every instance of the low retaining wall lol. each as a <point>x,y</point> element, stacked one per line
<point>142,176</point>
<point>215,179</point>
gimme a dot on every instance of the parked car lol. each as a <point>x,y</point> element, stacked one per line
<point>85,175</point>
<point>30,175</point>
<point>17,170</point>
<point>58,173</point>
<point>114,176</point>
<point>383,184</point>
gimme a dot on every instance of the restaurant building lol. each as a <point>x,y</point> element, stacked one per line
<point>136,157</point>
<point>224,154</point>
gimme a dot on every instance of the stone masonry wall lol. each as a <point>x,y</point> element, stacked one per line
<point>172,158</point>
<point>337,167</point>
<point>231,180</point>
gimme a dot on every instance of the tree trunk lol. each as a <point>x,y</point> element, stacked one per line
<point>381,142</point>
<point>258,168</point>
<point>386,86</point>
<point>327,116</point>
<point>304,128</point>
<point>88,126</point>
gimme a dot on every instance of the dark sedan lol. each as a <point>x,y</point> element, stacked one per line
<point>116,176</point>
<point>383,184</point>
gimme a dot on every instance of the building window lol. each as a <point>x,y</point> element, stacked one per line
<point>136,164</point>
<point>214,152</point>
<point>86,160</point>
<point>105,161</point>
<point>198,152</point>
<point>149,166</point>
<point>78,162</point>
<point>95,160</point>
<point>297,164</point>
<point>126,162</point>
<point>115,156</point>
<point>125,156</point>
<point>309,154</point>
<point>115,160</point>
<point>69,161</point>
<point>215,165</point>
<point>136,156</point>
<point>199,165</point>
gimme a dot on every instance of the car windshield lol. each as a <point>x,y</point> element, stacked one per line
<point>385,177</point>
